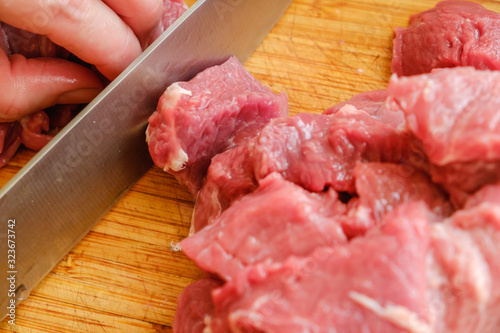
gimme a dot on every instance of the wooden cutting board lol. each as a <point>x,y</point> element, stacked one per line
<point>123,276</point>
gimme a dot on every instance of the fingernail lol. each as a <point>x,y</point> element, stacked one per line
<point>78,96</point>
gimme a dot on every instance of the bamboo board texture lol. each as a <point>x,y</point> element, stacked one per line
<point>123,276</point>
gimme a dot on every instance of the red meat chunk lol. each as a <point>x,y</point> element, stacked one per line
<point>454,114</point>
<point>278,220</point>
<point>194,305</point>
<point>343,288</point>
<point>382,187</point>
<point>215,111</point>
<point>454,33</point>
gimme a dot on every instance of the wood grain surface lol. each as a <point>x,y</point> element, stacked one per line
<point>123,276</point>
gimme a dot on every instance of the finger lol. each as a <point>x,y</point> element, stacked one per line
<point>29,85</point>
<point>143,16</point>
<point>89,29</point>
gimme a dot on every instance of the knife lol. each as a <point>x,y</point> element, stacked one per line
<point>54,201</point>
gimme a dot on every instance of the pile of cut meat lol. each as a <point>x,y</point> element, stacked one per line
<point>380,215</point>
<point>36,130</point>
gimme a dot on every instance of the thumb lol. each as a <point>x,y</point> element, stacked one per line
<point>29,85</point>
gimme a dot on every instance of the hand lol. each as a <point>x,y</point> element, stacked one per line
<point>108,34</point>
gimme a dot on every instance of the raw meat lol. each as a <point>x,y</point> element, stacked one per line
<point>447,270</point>
<point>370,102</point>
<point>377,105</point>
<point>281,219</point>
<point>454,113</point>
<point>340,289</point>
<point>438,271</point>
<point>487,194</point>
<point>34,128</point>
<point>31,45</point>
<point>33,131</point>
<point>9,141</point>
<point>454,33</point>
<point>318,151</point>
<point>344,222</point>
<point>381,187</point>
<point>33,125</point>
<point>229,177</point>
<point>463,178</point>
<point>465,285</point>
<point>172,10</point>
<point>218,109</point>
<point>193,305</point>
<point>311,150</point>
<point>278,220</point>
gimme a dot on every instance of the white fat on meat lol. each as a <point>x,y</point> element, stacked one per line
<point>175,247</point>
<point>396,314</point>
<point>174,93</point>
<point>178,161</point>
<point>436,279</point>
<point>171,97</point>
<point>207,321</point>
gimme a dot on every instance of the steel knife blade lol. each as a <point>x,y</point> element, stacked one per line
<point>54,201</point>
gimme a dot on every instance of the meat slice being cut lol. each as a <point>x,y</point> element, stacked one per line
<point>341,289</point>
<point>218,109</point>
<point>381,187</point>
<point>454,33</point>
<point>195,304</point>
<point>455,114</point>
<point>278,220</point>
